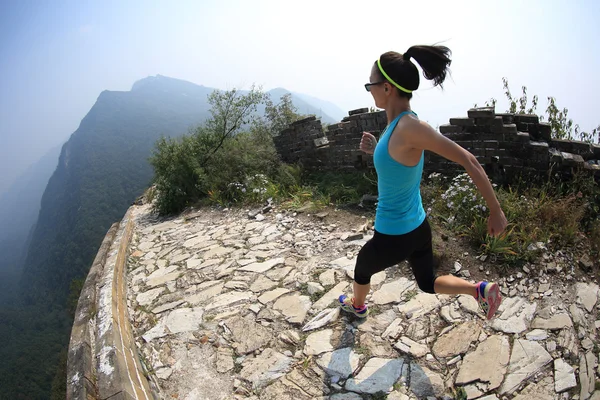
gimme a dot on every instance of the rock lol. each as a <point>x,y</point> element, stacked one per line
<point>394,330</point>
<point>587,344</point>
<point>587,375</point>
<point>294,307</point>
<point>323,318</point>
<point>272,295</point>
<point>346,396</point>
<point>248,335</point>
<point>469,304</point>
<point>290,337</point>
<point>409,346</point>
<point>224,361</point>
<point>542,390</point>
<point>378,375</point>
<point>537,335</point>
<point>327,278</point>
<point>205,294</point>
<point>564,376</point>
<point>567,340</point>
<point>418,329</point>
<point>266,368</point>
<point>146,298</point>
<point>184,320</point>
<point>514,315</point>
<point>392,292</point>
<point>377,346</point>
<point>262,267</point>
<point>557,321</point>
<point>579,316</point>
<point>587,295</point>
<point>318,342</point>
<point>457,266</point>
<point>229,299</point>
<point>342,362</point>
<point>487,363</point>
<point>585,263</point>
<point>261,284</point>
<point>527,359</point>
<point>165,373</point>
<point>551,346</point>
<point>421,304</point>
<point>314,288</point>
<point>424,382</point>
<point>451,313</point>
<point>543,287</point>
<point>329,297</point>
<point>167,307</point>
<point>457,341</point>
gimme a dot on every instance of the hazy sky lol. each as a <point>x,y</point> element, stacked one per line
<point>56,57</point>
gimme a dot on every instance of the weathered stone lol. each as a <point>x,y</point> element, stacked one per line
<point>409,346</point>
<point>318,342</point>
<point>224,362</point>
<point>542,390</point>
<point>587,375</point>
<point>377,346</point>
<point>342,362</point>
<point>487,363</point>
<point>314,288</point>
<point>515,314</point>
<point>425,383</point>
<point>394,330</point>
<point>167,307</point>
<point>266,368</point>
<point>164,373</point>
<point>557,321</point>
<point>450,313</point>
<point>247,335</point>
<point>229,299</point>
<point>327,278</point>
<point>421,304</point>
<point>272,295</point>
<point>457,341</point>
<point>323,318</point>
<point>587,295</point>
<point>294,307</point>
<point>329,297</point>
<point>205,295</point>
<point>537,334</point>
<point>262,267</point>
<point>418,329</point>
<point>146,298</point>
<point>262,283</point>
<point>527,358</point>
<point>564,376</point>
<point>378,375</point>
<point>392,292</point>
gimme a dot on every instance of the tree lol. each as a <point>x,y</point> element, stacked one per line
<point>279,116</point>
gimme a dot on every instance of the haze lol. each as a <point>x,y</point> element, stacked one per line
<point>56,57</point>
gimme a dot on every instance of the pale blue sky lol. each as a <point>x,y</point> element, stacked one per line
<point>56,57</point>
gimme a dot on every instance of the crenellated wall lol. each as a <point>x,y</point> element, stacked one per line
<point>507,145</point>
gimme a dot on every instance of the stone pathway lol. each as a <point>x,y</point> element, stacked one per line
<point>230,307</point>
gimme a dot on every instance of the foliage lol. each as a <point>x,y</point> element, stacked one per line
<point>563,127</point>
<point>230,159</point>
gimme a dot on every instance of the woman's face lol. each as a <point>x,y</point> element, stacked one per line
<point>380,89</point>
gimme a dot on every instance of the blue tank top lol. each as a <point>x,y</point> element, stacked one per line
<point>400,208</point>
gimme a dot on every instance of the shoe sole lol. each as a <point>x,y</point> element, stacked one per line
<point>493,298</point>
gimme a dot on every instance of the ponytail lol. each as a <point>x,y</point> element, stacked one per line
<point>434,60</point>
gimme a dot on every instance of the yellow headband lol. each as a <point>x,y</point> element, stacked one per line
<point>391,80</point>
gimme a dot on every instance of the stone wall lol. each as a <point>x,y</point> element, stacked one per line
<point>507,145</point>
<point>103,360</point>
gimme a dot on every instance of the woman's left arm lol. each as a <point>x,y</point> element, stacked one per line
<point>423,136</point>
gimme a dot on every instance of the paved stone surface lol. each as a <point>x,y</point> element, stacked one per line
<point>224,306</point>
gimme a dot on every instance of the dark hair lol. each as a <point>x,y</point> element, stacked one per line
<point>434,60</point>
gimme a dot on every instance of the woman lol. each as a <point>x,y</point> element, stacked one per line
<point>402,231</point>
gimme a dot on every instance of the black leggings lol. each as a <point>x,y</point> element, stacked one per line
<point>384,251</point>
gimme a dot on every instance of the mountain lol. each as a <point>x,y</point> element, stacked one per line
<point>19,208</point>
<point>100,171</point>
<point>328,112</point>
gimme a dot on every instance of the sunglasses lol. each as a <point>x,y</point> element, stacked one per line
<point>368,85</point>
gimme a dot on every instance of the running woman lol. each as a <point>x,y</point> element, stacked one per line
<point>402,231</point>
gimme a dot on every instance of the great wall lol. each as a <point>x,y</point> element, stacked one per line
<point>216,305</point>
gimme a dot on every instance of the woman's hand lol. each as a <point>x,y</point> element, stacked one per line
<point>496,222</point>
<point>368,143</point>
